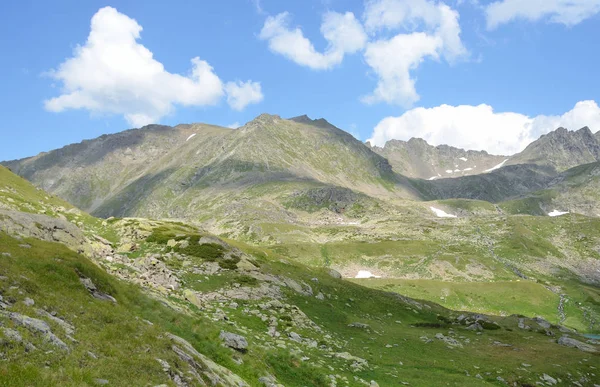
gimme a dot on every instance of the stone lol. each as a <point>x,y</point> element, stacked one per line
<point>474,327</point>
<point>448,340</point>
<point>12,335</point>
<point>89,285</point>
<point>320,296</point>
<point>68,328</point>
<point>334,273</point>
<point>359,325</point>
<point>101,382</point>
<point>548,379</point>
<point>232,340</point>
<point>171,243</point>
<point>28,301</point>
<point>36,326</point>
<point>569,342</point>
<point>295,337</point>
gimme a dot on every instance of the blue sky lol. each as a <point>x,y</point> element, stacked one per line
<point>477,74</point>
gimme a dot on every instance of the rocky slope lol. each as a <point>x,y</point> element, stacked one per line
<point>561,149</point>
<point>417,159</point>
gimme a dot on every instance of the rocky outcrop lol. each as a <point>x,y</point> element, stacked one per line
<point>570,342</point>
<point>36,326</point>
<point>45,228</point>
<point>201,364</point>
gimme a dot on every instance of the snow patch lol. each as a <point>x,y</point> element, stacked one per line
<point>366,274</point>
<point>442,214</point>
<point>449,171</point>
<point>464,159</point>
<point>432,178</point>
<point>190,137</point>
<point>497,166</point>
<point>557,213</point>
<point>457,170</point>
<point>467,169</point>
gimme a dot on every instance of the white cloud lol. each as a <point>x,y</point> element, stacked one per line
<point>395,85</point>
<point>567,12</point>
<point>242,94</point>
<point>343,33</point>
<point>235,125</point>
<point>480,128</point>
<point>112,73</point>
<point>429,30</point>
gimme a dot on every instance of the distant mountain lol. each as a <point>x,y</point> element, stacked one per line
<point>561,149</point>
<point>417,159</point>
<point>197,171</point>
<point>272,168</point>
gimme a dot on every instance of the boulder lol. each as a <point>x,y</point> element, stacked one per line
<point>570,342</point>
<point>232,340</point>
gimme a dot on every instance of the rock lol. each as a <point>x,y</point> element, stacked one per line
<point>6,254</point>
<point>36,326</point>
<point>89,285</point>
<point>237,342</point>
<point>218,374</point>
<point>268,381</point>
<point>358,364</point>
<point>569,342</point>
<point>474,327</point>
<point>373,384</point>
<point>92,355</point>
<point>543,323</point>
<point>320,296</point>
<point>29,302</point>
<point>548,379</point>
<point>359,325</point>
<point>68,328</point>
<point>303,289</point>
<point>522,324</point>
<point>295,337</point>
<point>12,335</point>
<point>448,340</point>
<point>101,382</point>
<point>334,273</point>
<point>171,243</point>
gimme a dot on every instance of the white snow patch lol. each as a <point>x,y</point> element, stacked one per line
<point>432,178</point>
<point>366,274</point>
<point>467,169</point>
<point>457,170</point>
<point>190,137</point>
<point>557,213</point>
<point>449,171</point>
<point>497,166</point>
<point>464,159</point>
<point>442,214</point>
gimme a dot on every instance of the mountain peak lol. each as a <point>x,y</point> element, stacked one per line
<point>562,149</point>
<point>302,119</point>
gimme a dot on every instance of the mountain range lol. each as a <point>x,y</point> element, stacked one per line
<point>287,252</point>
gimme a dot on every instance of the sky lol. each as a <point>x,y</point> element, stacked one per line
<point>487,75</point>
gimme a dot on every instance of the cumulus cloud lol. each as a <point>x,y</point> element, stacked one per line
<point>242,94</point>
<point>567,12</point>
<point>112,73</point>
<point>429,30</point>
<point>480,128</point>
<point>343,33</point>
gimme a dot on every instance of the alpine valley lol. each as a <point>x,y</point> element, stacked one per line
<point>288,253</point>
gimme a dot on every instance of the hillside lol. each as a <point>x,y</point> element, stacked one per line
<point>167,303</point>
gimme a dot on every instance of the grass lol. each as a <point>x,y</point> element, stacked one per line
<point>495,298</point>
